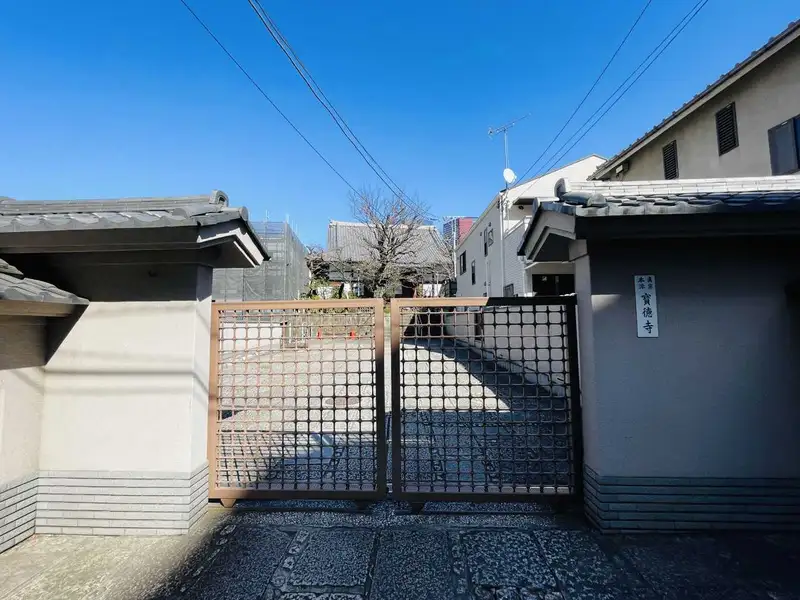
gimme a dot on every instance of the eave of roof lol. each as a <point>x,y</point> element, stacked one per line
<point>773,45</point>
<point>15,287</point>
<point>123,214</point>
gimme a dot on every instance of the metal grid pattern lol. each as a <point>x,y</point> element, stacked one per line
<point>484,398</point>
<point>297,399</point>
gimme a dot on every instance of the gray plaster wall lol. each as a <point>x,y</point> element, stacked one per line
<point>764,98</point>
<point>718,393</point>
<point>127,386</point>
<point>22,355</point>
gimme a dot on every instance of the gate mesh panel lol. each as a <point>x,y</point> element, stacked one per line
<point>485,399</point>
<point>297,400</point>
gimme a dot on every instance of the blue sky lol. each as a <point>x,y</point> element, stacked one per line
<point>110,99</point>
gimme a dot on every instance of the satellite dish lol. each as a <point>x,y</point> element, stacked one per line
<point>509,176</point>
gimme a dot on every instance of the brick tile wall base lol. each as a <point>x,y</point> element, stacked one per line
<point>17,511</point>
<point>102,503</point>
<point>616,504</point>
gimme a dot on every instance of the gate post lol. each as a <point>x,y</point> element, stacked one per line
<point>396,326</point>
<point>576,412</point>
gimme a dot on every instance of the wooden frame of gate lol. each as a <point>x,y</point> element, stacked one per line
<point>259,349</point>
<point>504,438</point>
<point>418,329</point>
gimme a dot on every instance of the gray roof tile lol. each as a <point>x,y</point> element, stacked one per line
<point>349,242</point>
<point>124,213</point>
<point>15,286</point>
<point>597,204</point>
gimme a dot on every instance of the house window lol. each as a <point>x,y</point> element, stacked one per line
<point>472,272</point>
<point>727,132</point>
<point>784,147</point>
<point>508,291</point>
<point>489,235</point>
<point>670,152</point>
<point>462,263</point>
<point>552,285</point>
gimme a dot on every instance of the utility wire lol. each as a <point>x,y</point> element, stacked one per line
<point>658,51</point>
<point>319,94</point>
<point>591,89</point>
<point>266,96</point>
<point>654,54</point>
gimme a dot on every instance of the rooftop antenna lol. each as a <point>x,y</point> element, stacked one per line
<point>508,175</point>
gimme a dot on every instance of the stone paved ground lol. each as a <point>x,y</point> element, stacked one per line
<point>450,552</point>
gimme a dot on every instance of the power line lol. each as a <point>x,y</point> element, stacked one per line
<point>591,89</point>
<point>266,96</point>
<point>682,24</point>
<point>655,53</point>
<point>319,94</point>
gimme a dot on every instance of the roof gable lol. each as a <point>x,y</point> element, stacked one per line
<point>757,57</point>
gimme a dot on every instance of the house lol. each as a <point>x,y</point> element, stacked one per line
<point>689,347</point>
<point>422,258</point>
<point>745,124</point>
<point>486,258</point>
<point>105,309</point>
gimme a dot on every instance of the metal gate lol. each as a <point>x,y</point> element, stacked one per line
<point>297,400</point>
<point>484,399</point>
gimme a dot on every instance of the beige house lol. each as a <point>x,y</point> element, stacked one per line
<point>105,310</point>
<point>689,347</point>
<point>745,124</point>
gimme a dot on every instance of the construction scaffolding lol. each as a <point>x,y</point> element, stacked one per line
<point>283,277</point>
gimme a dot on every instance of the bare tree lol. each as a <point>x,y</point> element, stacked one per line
<point>392,248</point>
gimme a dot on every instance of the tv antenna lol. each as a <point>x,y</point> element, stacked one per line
<point>508,175</point>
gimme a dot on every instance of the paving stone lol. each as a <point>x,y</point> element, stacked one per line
<point>312,596</point>
<point>500,559</point>
<point>244,566</point>
<point>334,558</point>
<point>584,571</point>
<point>683,567</point>
<point>412,565</point>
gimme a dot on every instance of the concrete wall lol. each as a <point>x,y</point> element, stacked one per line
<point>764,98</point>
<point>126,388</point>
<point>22,354</point>
<point>717,395</point>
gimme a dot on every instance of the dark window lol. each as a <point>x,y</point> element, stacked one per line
<point>462,263</point>
<point>508,290</point>
<point>553,285</point>
<point>727,133</point>
<point>784,147</point>
<point>670,152</point>
<point>490,236</point>
<point>472,271</point>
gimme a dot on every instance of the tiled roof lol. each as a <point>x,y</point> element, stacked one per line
<point>15,286</point>
<point>124,213</point>
<point>350,242</point>
<point>688,196</point>
<point>791,29</point>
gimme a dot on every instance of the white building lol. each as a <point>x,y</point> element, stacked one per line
<point>486,259</point>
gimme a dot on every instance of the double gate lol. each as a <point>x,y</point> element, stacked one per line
<point>479,400</point>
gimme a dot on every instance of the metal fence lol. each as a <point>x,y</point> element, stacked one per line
<point>484,398</point>
<point>283,277</point>
<point>297,400</point>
